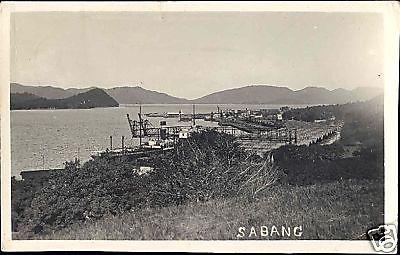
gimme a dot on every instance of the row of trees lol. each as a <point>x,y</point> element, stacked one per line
<point>364,110</point>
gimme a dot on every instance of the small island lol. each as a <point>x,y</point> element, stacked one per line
<point>90,99</point>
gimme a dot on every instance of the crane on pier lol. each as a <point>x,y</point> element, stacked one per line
<point>143,128</point>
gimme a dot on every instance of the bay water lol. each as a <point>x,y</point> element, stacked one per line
<point>43,139</point>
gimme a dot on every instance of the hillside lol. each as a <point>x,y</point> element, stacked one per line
<point>17,99</point>
<point>48,92</point>
<point>134,95</point>
<point>93,98</point>
<point>123,95</point>
<point>254,94</point>
<point>244,95</point>
<point>263,94</point>
<point>90,99</point>
<point>366,93</point>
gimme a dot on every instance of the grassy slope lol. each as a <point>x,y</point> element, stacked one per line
<point>338,210</point>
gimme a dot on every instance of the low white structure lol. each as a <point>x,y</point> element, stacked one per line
<point>184,134</point>
<point>159,144</point>
<point>144,170</point>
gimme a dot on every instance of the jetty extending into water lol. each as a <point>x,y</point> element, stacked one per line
<point>256,130</point>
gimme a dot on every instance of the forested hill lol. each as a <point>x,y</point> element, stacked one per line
<point>90,99</point>
<point>363,121</point>
<point>365,109</point>
<point>253,94</point>
<point>264,94</point>
<point>123,95</point>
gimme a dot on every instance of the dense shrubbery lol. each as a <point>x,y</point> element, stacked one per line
<point>206,166</point>
<point>304,165</point>
<point>312,113</point>
<point>312,152</point>
<point>306,172</point>
<point>209,165</point>
<point>22,193</point>
<point>97,188</point>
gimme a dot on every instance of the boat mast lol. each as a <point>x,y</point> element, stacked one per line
<point>140,125</point>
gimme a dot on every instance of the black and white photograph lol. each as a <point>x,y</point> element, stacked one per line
<point>162,122</point>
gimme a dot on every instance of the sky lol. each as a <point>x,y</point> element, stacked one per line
<point>192,54</point>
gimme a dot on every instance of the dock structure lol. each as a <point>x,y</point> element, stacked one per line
<point>163,138</point>
<point>180,115</point>
<point>237,130</point>
<point>234,126</point>
<point>37,174</point>
<point>143,128</point>
<point>277,133</point>
<point>285,135</point>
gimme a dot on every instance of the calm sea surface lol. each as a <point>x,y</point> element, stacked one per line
<point>43,139</point>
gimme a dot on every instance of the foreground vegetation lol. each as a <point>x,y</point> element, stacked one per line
<point>337,210</point>
<point>209,186</point>
<point>207,166</point>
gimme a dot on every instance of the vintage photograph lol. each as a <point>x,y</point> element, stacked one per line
<point>200,125</point>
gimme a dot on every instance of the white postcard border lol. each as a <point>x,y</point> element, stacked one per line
<point>390,10</point>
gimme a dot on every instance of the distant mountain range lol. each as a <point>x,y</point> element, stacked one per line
<point>90,99</point>
<point>262,94</point>
<point>124,95</point>
<point>254,94</point>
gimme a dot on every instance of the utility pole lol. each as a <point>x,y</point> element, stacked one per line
<point>140,125</point>
<point>194,116</point>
